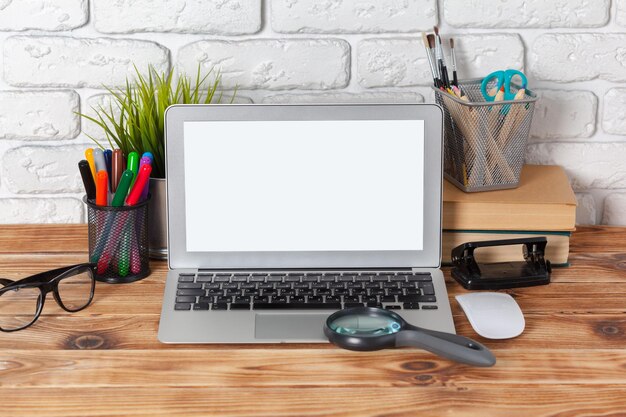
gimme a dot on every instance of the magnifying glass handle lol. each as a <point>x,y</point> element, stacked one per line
<point>450,346</point>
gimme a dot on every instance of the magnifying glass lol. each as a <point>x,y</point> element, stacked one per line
<point>365,328</point>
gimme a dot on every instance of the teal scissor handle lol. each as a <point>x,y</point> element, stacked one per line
<point>503,80</point>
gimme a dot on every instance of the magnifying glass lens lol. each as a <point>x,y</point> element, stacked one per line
<point>363,325</point>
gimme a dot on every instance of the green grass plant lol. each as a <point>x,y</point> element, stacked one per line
<point>134,119</point>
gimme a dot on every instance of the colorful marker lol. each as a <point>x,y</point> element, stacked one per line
<point>132,163</point>
<point>123,255</point>
<point>90,161</point>
<point>117,168</point>
<point>142,179</point>
<point>98,158</point>
<point>102,189</point>
<point>88,182</point>
<point>108,156</point>
<point>135,258</point>
<point>145,160</point>
<point>122,188</point>
<point>148,155</point>
<point>111,242</point>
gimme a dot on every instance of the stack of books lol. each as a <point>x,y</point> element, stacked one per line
<point>543,205</point>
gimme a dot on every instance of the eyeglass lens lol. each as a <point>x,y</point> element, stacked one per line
<point>75,290</point>
<point>365,325</point>
<point>18,307</point>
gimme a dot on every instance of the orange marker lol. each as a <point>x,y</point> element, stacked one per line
<point>102,188</point>
<point>142,179</point>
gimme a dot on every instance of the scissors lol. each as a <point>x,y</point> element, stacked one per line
<point>504,80</point>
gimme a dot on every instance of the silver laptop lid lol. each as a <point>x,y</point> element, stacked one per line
<point>304,186</point>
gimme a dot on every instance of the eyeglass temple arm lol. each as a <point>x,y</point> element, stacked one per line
<point>42,276</point>
<point>46,276</point>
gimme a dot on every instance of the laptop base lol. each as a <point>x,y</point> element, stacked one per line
<point>277,326</point>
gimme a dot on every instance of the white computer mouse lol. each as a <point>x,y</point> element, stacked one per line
<point>493,315</point>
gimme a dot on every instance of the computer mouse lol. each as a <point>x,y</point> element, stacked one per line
<point>493,315</point>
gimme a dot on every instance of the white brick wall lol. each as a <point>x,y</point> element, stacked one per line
<point>527,13</point>
<point>42,169</point>
<point>39,114</point>
<point>62,61</point>
<point>57,54</point>
<point>272,64</point>
<point>564,114</point>
<point>614,212</point>
<point>53,15</point>
<point>564,57</point>
<point>590,165</point>
<point>234,17</point>
<point>353,16</point>
<point>621,12</point>
<point>402,62</point>
<point>614,115</point>
<point>41,210</point>
<point>369,97</point>
<point>586,210</point>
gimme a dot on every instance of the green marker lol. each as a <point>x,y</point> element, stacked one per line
<point>123,265</point>
<point>122,188</point>
<point>118,201</point>
<point>133,165</point>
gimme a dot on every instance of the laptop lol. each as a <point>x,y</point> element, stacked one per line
<point>280,215</point>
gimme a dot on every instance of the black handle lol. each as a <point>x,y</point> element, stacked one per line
<point>450,346</point>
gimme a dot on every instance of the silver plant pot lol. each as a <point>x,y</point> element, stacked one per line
<point>157,219</point>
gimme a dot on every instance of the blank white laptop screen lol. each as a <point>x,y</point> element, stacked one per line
<point>339,185</point>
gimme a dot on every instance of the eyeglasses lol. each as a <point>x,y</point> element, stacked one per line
<point>21,302</point>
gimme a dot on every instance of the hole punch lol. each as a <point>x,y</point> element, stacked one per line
<point>534,270</point>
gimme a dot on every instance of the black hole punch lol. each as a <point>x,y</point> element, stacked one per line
<point>534,270</point>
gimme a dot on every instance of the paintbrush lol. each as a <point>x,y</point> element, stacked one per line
<point>441,60</point>
<point>431,45</point>
<point>433,68</point>
<point>455,81</point>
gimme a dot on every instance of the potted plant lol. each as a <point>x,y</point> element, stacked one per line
<point>134,120</point>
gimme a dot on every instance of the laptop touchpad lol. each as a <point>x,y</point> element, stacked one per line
<point>290,326</point>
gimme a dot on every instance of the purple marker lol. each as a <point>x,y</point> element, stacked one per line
<point>145,160</point>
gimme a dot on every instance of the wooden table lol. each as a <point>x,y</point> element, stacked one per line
<point>106,360</point>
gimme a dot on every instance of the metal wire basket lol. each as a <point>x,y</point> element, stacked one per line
<point>485,142</point>
<point>118,241</point>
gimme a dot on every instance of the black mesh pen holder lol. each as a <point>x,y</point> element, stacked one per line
<point>118,241</point>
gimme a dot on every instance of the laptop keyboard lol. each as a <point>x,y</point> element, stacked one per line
<point>331,291</point>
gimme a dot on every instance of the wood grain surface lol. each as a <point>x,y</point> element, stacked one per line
<point>106,360</point>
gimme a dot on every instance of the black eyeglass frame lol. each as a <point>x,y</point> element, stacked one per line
<point>49,282</point>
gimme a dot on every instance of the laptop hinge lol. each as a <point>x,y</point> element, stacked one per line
<point>305,269</point>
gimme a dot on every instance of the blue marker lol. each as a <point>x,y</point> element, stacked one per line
<point>148,155</point>
<point>108,156</point>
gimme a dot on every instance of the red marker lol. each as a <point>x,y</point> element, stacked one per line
<point>142,179</point>
<point>102,188</point>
